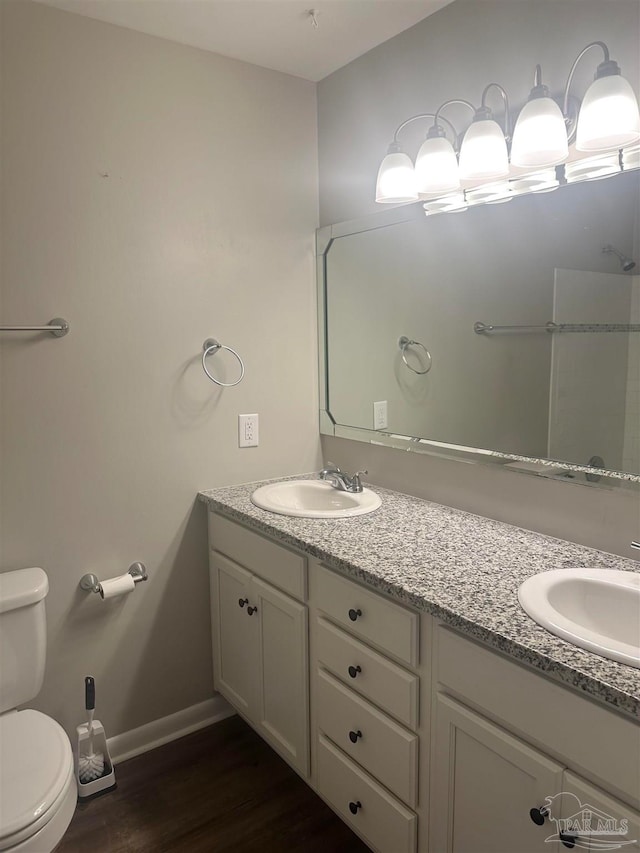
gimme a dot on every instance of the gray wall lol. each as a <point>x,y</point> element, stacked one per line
<point>454,53</point>
<point>154,195</point>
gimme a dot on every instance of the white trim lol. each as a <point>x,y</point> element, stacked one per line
<point>158,732</point>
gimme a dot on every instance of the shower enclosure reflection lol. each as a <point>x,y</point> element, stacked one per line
<point>565,385</point>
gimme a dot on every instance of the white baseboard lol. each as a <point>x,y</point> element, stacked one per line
<point>158,732</point>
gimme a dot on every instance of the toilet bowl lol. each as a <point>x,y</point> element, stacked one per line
<point>37,782</point>
<point>38,790</point>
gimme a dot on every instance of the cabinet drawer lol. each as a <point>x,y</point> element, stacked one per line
<point>274,563</point>
<point>388,685</point>
<point>381,820</point>
<point>388,751</point>
<point>391,627</point>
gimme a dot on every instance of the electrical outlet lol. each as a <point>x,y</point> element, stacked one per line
<point>248,430</point>
<point>380,420</point>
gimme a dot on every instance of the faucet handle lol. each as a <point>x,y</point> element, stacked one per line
<point>636,545</point>
<point>355,480</point>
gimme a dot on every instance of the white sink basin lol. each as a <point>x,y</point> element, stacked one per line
<point>314,499</point>
<point>596,609</point>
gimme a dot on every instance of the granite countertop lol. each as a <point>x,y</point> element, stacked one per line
<point>462,568</point>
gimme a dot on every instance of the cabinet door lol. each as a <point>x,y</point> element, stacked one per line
<point>236,632</point>
<point>484,784</point>
<point>282,708</point>
<point>590,819</point>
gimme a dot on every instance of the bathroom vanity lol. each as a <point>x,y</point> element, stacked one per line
<point>387,659</point>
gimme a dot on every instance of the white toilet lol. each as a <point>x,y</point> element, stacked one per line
<point>38,790</point>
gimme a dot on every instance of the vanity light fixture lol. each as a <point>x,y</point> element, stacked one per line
<point>540,134</point>
<point>483,153</point>
<point>482,170</point>
<point>396,177</point>
<point>436,164</point>
<point>609,116</point>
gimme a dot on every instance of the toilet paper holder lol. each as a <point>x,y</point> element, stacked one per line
<point>90,582</point>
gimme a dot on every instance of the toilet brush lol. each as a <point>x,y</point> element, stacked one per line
<point>90,764</point>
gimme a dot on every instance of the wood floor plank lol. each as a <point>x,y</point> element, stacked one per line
<point>221,789</point>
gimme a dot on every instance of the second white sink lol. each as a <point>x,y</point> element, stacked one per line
<point>596,609</point>
<point>314,499</point>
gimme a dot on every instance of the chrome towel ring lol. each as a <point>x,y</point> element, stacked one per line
<point>211,346</point>
<point>403,343</point>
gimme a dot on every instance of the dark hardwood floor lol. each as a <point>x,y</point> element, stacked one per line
<point>222,789</point>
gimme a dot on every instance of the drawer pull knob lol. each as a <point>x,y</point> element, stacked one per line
<point>251,610</point>
<point>538,815</point>
<point>243,601</point>
<point>353,614</point>
<point>353,736</point>
<point>354,670</point>
<point>353,807</point>
<point>568,840</point>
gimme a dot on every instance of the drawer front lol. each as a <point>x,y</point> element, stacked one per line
<point>391,627</point>
<point>388,685</point>
<point>276,564</point>
<point>381,820</point>
<point>388,751</point>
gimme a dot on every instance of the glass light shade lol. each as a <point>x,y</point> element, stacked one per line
<point>452,203</point>
<point>493,193</point>
<point>540,135</point>
<point>396,180</point>
<point>631,157</point>
<point>592,168</point>
<point>483,155</point>
<point>538,182</point>
<point>437,167</point>
<point>609,115</point>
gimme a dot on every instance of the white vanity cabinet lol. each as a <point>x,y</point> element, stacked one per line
<point>422,739</point>
<point>365,652</point>
<point>487,783</point>
<point>510,750</point>
<point>260,636</point>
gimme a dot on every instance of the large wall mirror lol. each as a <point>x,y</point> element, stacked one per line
<point>407,359</point>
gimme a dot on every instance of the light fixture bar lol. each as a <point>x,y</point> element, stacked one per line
<point>492,162</point>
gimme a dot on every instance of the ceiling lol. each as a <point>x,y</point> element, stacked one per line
<point>277,34</point>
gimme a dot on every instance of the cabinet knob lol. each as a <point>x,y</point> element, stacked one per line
<point>353,807</point>
<point>354,670</point>
<point>538,815</point>
<point>251,610</point>
<point>353,614</point>
<point>568,840</point>
<point>353,736</point>
<point>243,601</point>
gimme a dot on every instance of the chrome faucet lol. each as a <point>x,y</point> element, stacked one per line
<point>341,480</point>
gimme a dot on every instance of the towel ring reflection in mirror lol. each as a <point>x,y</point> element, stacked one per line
<point>210,347</point>
<point>405,342</point>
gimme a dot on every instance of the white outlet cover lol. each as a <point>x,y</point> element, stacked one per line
<point>248,433</point>
<point>380,417</point>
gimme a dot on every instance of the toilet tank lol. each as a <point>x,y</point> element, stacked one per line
<point>23,635</point>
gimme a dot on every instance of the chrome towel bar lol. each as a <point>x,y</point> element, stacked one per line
<point>57,327</point>
<point>485,329</point>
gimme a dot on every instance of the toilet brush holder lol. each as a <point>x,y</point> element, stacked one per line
<point>106,782</point>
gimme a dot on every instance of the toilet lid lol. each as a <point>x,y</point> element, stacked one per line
<point>36,759</point>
